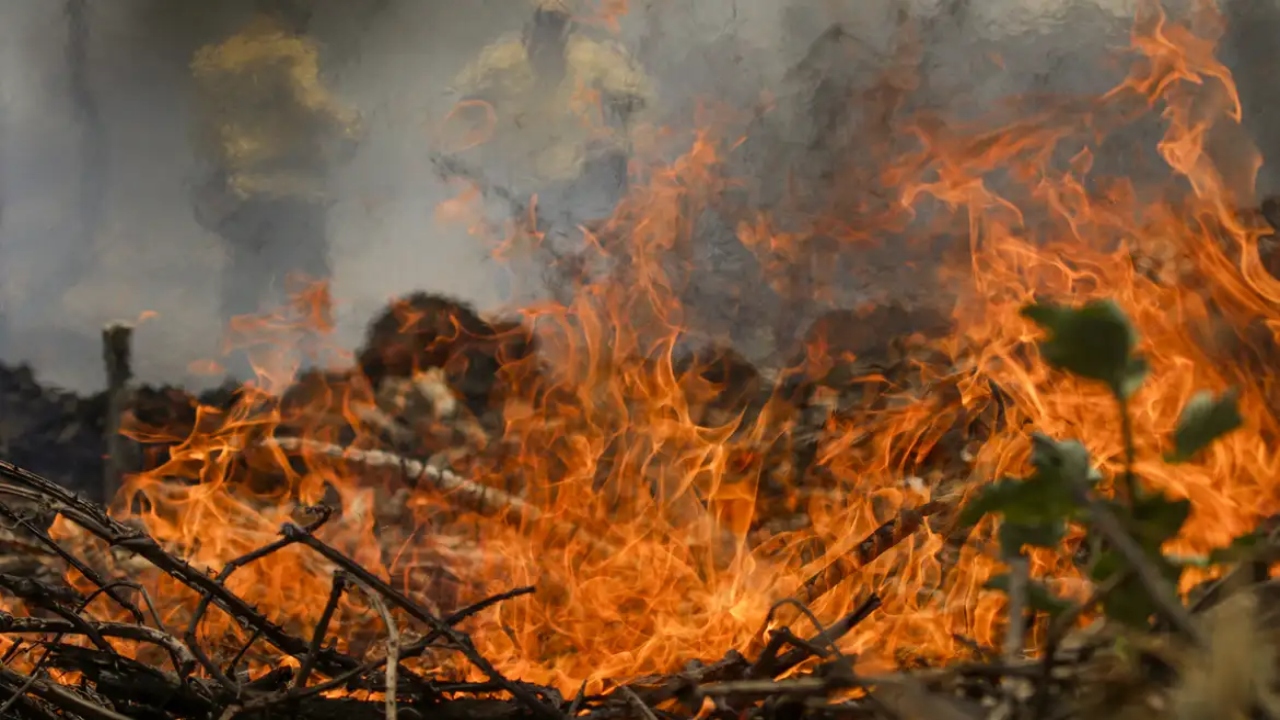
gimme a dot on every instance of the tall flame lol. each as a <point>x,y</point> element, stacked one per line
<point>644,519</point>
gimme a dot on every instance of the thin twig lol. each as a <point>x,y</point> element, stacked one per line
<point>884,538</point>
<point>459,615</point>
<point>236,563</point>
<point>344,678</point>
<point>22,691</point>
<point>22,483</point>
<point>829,636</point>
<point>183,661</point>
<point>1130,449</point>
<point>298,694</point>
<point>61,697</point>
<point>823,634</point>
<point>1059,627</point>
<point>146,600</point>
<point>637,703</point>
<point>477,607</point>
<point>244,649</point>
<point>393,649</point>
<point>89,573</point>
<point>458,639</point>
<point>575,706</point>
<point>322,626</point>
<point>229,683</point>
<point>45,656</point>
<point>768,688</point>
<point>847,565</point>
<point>1161,591</point>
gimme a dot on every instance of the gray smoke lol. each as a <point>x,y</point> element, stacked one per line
<point>70,263</point>
<point>61,281</point>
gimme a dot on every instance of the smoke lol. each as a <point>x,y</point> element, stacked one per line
<point>143,253</point>
<point>63,275</point>
<point>1249,50</point>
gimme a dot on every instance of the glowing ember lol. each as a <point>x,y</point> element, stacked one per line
<point>644,519</point>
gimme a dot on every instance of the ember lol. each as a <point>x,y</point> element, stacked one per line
<point>604,506</point>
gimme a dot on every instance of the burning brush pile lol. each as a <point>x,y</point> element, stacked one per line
<point>595,507</point>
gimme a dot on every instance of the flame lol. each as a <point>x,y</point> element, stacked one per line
<point>649,511</point>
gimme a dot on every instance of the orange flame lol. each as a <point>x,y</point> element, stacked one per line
<point>651,524</point>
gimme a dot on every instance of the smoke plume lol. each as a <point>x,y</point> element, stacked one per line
<point>96,153</point>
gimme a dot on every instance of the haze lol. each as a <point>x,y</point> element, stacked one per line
<point>95,221</point>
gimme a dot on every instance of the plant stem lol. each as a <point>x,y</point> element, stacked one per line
<point>1015,632</point>
<point>1130,450</point>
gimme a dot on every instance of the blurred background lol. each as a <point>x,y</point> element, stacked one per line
<point>96,152</point>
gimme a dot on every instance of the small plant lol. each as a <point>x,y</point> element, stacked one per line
<point>1097,342</point>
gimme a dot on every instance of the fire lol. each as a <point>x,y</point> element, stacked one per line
<point>642,509</point>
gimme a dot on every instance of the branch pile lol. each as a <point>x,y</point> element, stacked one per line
<point>73,668</point>
<point>113,685</point>
<point>64,659</point>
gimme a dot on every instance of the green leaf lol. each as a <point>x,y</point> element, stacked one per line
<point>1240,549</point>
<point>1046,533</point>
<point>1039,597</point>
<point>1203,420</point>
<point>1157,518</point>
<point>1064,463</point>
<point>1095,341</point>
<point>1038,500</point>
<point>993,498</point>
<point>1129,602</point>
<point>1134,375</point>
<point>1035,511</point>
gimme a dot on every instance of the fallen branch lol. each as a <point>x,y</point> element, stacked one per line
<point>479,498</point>
<point>183,660</point>
<point>58,696</point>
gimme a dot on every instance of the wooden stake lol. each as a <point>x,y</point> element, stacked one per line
<point>116,354</point>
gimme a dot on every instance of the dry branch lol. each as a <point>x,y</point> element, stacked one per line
<point>16,482</point>
<point>474,496</point>
<point>106,667</point>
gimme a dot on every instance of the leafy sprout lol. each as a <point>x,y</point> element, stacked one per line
<point>1097,342</point>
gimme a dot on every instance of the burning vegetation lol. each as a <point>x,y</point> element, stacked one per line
<point>612,504</point>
